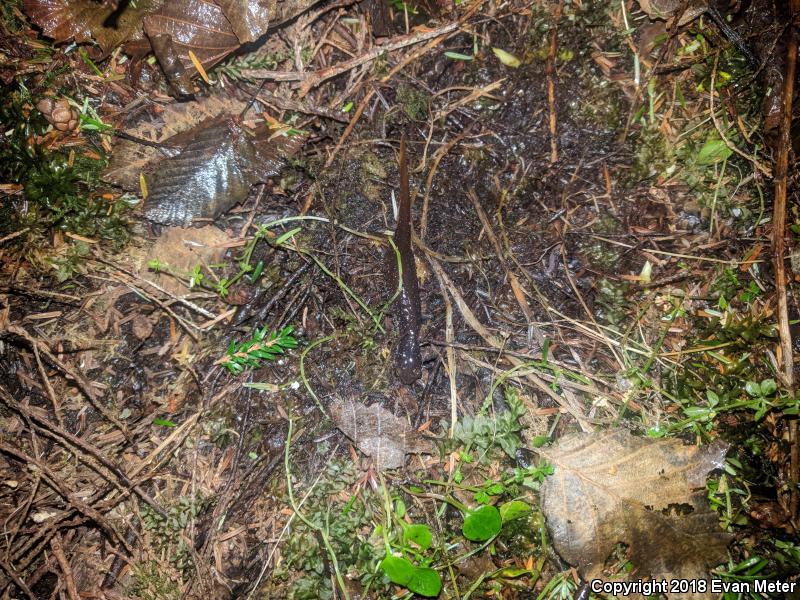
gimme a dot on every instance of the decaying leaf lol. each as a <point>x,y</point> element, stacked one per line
<point>84,20</point>
<point>182,250</point>
<point>184,25</point>
<point>248,18</point>
<point>615,488</point>
<point>666,9</point>
<point>378,433</point>
<point>129,159</point>
<point>219,161</point>
<point>210,29</point>
<point>204,168</point>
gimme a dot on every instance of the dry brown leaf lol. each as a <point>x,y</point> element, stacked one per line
<point>142,327</point>
<point>378,433</point>
<point>183,250</point>
<point>666,9</point>
<point>615,488</point>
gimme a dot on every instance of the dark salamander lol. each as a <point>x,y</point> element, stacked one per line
<point>408,360</point>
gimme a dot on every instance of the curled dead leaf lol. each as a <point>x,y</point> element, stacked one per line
<point>378,433</point>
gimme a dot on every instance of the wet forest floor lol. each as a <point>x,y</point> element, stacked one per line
<point>215,411</point>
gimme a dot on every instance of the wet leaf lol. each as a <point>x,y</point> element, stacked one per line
<point>209,29</point>
<point>215,171</point>
<point>129,159</point>
<point>196,25</point>
<point>84,20</point>
<point>482,524</point>
<point>249,19</point>
<point>205,166</point>
<point>513,510</point>
<point>419,534</point>
<point>378,433</point>
<point>612,488</point>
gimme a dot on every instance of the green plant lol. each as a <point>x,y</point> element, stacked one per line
<point>502,429</point>
<point>59,186</point>
<point>149,582</point>
<point>167,531</point>
<point>235,68</point>
<point>403,540</point>
<point>263,345</point>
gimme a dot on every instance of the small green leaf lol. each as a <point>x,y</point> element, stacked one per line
<point>286,236</point>
<point>419,534</point>
<point>163,422</point>
<point>713,151</point>
<point>512,572</point>
<point>425,582</point>
<point>753,389</point>
<point>697,413</point>
<point>399,570</point>
<point>768,387</point>
<point>458,56</point>
<point>507,58</point>
<point>482,497</point>
<point>482,524</point>
<point>539,441</point>
<point>513,510</point>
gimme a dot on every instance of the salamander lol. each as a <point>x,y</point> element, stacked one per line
<point>408,361</point>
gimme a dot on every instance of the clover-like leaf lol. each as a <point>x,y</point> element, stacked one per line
<point>419,534</point>
<point>398,569</point>
<point>482,524</point>
<point>513,510</point>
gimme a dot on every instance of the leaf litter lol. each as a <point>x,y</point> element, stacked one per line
<point>378,433</point>
<point>203,167</point>
<point>608,489</point>
<point>615,488</point>
<point>171,29</point>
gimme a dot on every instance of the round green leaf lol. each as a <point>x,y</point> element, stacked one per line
<point>425,582</point>
<point>419,534</point>
<point>481,524</point>
<point>752,388</point>
<point>768,387</point>
<point>399,570</point>
<point>513,510</point>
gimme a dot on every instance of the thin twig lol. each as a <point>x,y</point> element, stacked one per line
<point>779,250</point>
<point>66,571</point>
<point>550,70</point>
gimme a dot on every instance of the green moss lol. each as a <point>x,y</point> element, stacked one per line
<point>60,188</point>
<point>151,583</point>
<point>414,101</point>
